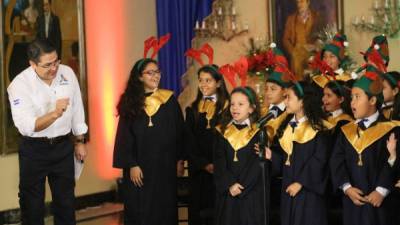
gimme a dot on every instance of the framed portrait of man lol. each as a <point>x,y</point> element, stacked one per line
<point>294,25</point>
<point>22,21</point>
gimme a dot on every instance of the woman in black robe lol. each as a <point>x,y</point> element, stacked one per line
<point>148,148</point>
<point>201,118</point>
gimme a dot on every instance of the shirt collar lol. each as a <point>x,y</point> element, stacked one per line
<point>387,104</point>
<point>245,122</point>
<point>301,120</point>
<point>337,113</point>
<point>152,91</point>
<point>370,120</point>
<point>281,106</point>
<point>213,97</point>
<point>339,71</point>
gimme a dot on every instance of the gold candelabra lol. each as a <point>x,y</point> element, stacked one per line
<point>385,18</point>
<point>221,23</point>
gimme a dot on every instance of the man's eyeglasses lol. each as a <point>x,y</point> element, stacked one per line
<point>152,72</point>
<point>50,65</point>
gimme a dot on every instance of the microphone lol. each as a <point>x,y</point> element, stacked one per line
<point>270,115</point>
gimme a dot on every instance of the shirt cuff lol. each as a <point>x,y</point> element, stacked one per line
<point>391,161</point>
<point>79,129</point>
<point>383,191</point>
<point>345,186</point>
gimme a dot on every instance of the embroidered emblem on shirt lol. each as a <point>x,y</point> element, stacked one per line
<point>16,101</point>
<point>63,80</point>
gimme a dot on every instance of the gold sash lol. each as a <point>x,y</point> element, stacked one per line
<point>302,133</point>
<point>208,107</point>
<point>387,112</point>
<point>361,139</point>
<point>153,102</point>
<point>341,117</point>
<point>273,125</point>
<point>238,138</point>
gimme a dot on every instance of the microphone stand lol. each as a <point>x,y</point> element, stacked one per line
<point>265,171</point>
<point>265,165</point>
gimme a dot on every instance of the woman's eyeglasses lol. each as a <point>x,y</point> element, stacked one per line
<point>152,72</point>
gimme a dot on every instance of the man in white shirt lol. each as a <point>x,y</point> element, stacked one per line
<point>46,105</point>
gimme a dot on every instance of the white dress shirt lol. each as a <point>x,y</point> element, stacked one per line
<point>212,97</point>
<point>337,113</point>
<point>281,106</point>
<point>299,121</point>
<point>30,98</point>
<point>244,122</point>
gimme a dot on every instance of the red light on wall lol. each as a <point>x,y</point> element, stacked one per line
<point>104,28</point>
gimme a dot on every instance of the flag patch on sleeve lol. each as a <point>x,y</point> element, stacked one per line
<point>16,101</point>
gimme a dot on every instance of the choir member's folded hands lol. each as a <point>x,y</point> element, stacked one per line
<point>136,176</point>
<point>375,198</point>
<point>356,195</point>
<point>236,189</point>
<point>391,144</point>
<point>180,168</point>
<point>209,168</point>
<point>398,184</point>
<point>293,189</point>
<point>267,152</point>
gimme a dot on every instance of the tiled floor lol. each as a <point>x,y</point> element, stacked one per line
<point>107,214</point>
<point>114,219</point>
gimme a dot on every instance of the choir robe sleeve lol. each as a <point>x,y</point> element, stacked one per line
<point>197,162</point>
<point>250,176</point>
<point>180,130</point>
<point>386,175</point>
<point>223,178</point>
<point>277,158</point>
<point>313,175</point>
<point>396,165</point>
<point>125,152</point>
<point>337,163</point>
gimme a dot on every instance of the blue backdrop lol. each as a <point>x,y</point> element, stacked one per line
<point>177,17</point>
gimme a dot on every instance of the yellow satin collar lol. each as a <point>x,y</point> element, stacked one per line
<point>238,138</point>
<point>303,133</point>
<point>321,80</point>
<point>154,101</point>
<point>334,120</point>
<point>208,107</point>
<point>361,139</point>
<point>387,112</point>
<point>273,125</point>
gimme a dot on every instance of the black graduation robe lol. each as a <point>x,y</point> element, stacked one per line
<point>200,154</point>
<point>394,201</point>
<point>275,181</point>
<point>307,165</point>
<point>246,208</point>
<point>334,197</point>
<point>365,171</point>
<point>155,149</point>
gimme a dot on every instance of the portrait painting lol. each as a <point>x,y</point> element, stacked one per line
<point>295,26</point>
<point>22,21</point>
